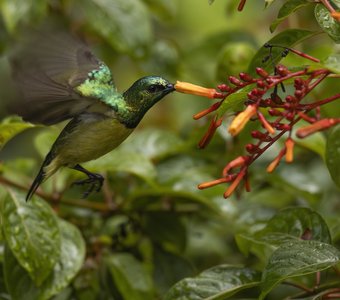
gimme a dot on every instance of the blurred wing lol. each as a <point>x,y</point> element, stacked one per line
<point>46,70</point>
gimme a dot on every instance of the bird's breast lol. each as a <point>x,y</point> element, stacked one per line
<point>91,139</point>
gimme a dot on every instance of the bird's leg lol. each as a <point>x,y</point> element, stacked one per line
<point>94,180</point>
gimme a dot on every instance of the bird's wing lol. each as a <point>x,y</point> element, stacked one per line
<point>47,70</point>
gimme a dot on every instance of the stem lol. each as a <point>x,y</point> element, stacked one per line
<point>52,199</point>
<point>319,103</point>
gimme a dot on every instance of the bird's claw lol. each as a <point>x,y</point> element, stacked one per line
<point>94,180</point>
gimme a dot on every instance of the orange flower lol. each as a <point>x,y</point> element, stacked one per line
<point>289,150</point>
<point>193,89</point>
<point>242,119</point>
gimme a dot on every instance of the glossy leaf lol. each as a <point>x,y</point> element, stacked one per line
<point>289,224</point>
<point>125,24</point>
<point>297,258</point>
<point>217,283</point>
<point>286,38</point>
<point>70,261</point>
<point>288,8</point>
<point>10,128</point>
<point>32,233</point>
<point>327,22</point>
<point>130,277</point>
<point>332,154</point>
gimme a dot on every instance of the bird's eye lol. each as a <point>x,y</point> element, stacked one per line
<point>155,88</point>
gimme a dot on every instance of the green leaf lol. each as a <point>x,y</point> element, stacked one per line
<point>70,261</point>
<point>332,63</point>
<point>130,277</point>
<point>288,224</point>
<point>297,258</point>
<point>125,24</point>
<point>153,143</point>
<point>32,233</point>
<point>288,8</point>
<point>16,11</point>
<point>164,8</point>
<point>9,128</point>
<point>287,38</point>
<point>122,161</point>
<point>297,222</point>
<point>217,283</point>
<point>327,22</point>
<point>234,102</point>
<point>333,154</point>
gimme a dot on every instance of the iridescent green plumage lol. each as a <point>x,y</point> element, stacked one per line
<point>62,79</point>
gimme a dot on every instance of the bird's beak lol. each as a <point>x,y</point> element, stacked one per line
<point>170,88</point>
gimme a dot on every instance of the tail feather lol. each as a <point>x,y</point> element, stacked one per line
<point>45,172</point>
<point>37,181</point>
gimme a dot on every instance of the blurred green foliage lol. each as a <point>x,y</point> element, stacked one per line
<point>150,233</point>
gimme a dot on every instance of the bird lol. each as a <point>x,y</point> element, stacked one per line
<point>58,78</point>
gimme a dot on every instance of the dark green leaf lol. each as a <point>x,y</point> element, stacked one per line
<point>167,229</point>
<point>125,24</point>
<point>332,154</point>
<point>70,261</point>
<point>289,224</point>
<point>217,283</point>
<point>10,128</point>
<point>130,277</point>
<point>287,8</point>
<point>287,38</point>
<point>32,233</point>
<point>297,258</point>
<point>327,22</point>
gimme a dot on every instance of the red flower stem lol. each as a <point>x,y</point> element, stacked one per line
<point>304,55</point>
<point>315,83</point>
<point>278,80</point>
<point>328,5</point>
<point>241,5</point>
<point>311,106</point>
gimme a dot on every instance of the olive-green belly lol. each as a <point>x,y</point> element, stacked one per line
<point>91,140</point>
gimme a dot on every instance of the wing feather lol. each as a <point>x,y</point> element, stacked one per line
<point>47,68</point>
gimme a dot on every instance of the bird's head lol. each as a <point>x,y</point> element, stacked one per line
<point>144,93</point>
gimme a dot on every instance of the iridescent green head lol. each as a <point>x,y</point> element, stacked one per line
<point>142,95</point>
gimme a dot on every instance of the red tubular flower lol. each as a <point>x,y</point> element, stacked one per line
<point>265,123</point>
<point>215,123</point>
<point>235,163</point>
<point>272,166</point>
<point>316,126</point>
<point>235,183</point>
<point>209,184</point>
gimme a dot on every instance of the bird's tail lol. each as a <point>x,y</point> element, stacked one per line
<point>46,170</point>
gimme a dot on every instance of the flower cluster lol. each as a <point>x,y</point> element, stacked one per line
<point>276,114</point>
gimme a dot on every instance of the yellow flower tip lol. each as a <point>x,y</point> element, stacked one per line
<point>336,15</point>
<point>241,120</point>
<point>193,89</point>
<point>272,166</point>
<point>289,150</point>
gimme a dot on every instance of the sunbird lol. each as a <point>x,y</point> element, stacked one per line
<point>59,78</point>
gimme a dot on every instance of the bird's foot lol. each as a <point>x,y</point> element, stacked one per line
<point>95,182</point>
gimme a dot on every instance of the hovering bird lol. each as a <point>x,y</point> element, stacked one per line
<point>59,78</point>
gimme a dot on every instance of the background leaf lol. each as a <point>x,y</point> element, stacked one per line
<point>32,234</point>
<point>297,258</point>
<point>130,277</point>
<point>332,154</point>
<point>219,282</point>
<point>286,38</point>
<point>327,22</point>
<point>70,261</point>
